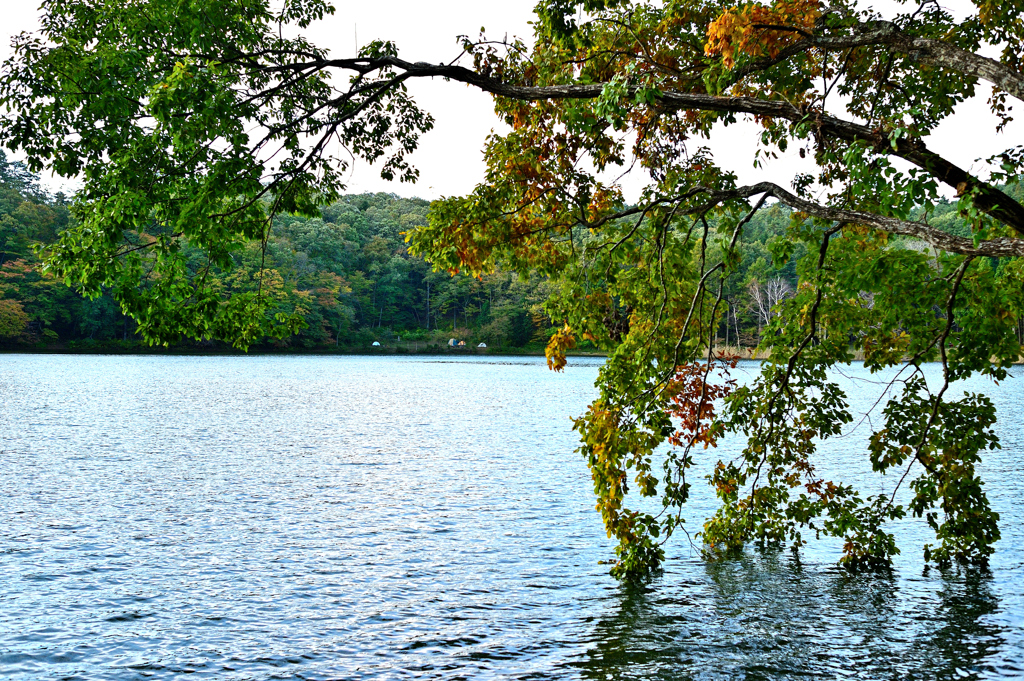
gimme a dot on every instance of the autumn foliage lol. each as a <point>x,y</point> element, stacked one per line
<point>896,254</point>
<point>755,30</point>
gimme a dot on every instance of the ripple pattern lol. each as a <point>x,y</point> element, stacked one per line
<point>406,518</point>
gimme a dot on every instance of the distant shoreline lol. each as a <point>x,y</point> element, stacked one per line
<point>389,351</point>
<point>749,354</point>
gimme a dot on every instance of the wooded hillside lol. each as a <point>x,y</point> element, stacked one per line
<point>349,275</point>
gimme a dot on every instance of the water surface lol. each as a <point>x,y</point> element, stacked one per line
<point>392,518</point>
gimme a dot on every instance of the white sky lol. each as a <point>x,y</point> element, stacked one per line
<point>449,157</point>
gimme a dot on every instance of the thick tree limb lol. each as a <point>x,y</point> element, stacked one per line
<point>937,52</point>
<point>1002,247</point>
<point>987,198</point>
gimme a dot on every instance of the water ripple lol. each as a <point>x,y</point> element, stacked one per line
<point>398,518</point>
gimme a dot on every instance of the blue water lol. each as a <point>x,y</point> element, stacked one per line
<point>401,518</point>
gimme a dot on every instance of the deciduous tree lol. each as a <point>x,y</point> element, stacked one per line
<point>197,121</point>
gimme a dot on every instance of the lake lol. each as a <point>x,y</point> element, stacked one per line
<point>418,518</point>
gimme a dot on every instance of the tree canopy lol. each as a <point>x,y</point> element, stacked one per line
<point>194,123</point>
<point>346,273</point>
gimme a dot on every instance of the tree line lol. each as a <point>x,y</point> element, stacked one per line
<point>350,277</point>
<point>347,274</point>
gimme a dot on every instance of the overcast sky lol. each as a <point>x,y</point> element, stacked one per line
<point>449,158</point>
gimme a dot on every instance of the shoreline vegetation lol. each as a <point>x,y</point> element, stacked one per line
<point>410,348</point>
<point>212,349</point>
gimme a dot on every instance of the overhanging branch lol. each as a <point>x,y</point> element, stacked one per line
<point>927,50</point>
<point>1002,247</point>
<point>987,198</point>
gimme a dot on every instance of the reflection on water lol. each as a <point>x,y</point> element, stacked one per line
<point>770,617</point>
<point>347,518</point>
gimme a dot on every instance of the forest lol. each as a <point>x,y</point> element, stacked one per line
<point>349,275</point>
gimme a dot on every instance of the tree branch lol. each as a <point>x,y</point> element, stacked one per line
<point>987,198</point>
<point>929,51</point>
<point>1002,247</point>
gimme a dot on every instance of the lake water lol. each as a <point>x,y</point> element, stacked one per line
<point>419,518</point>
